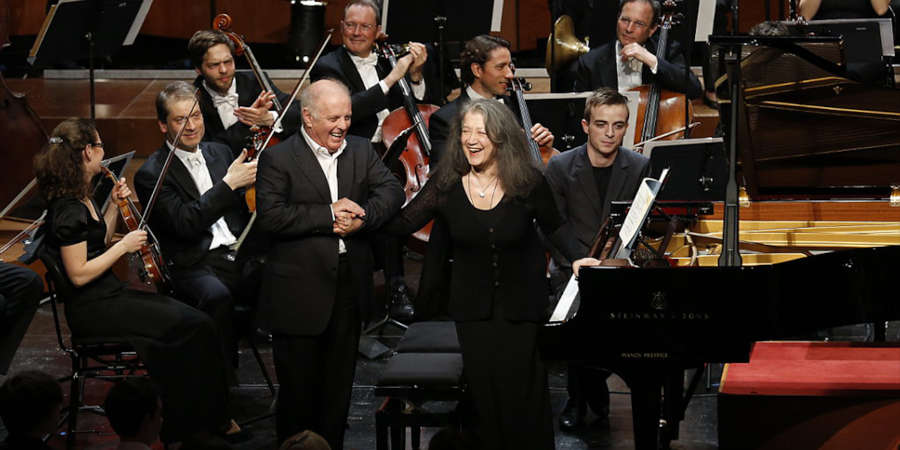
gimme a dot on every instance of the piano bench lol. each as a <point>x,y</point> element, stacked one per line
<point>407,383</point>
<point>812,395</point>
<point>429,337</point>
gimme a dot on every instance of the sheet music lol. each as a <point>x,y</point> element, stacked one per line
<point>706,15</point>
<point>640,208</point>
<point>497,16</point>
<point>565,302</point>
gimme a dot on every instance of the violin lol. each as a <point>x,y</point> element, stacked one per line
<point>542,155</point>
<point>148,261</point>
<point>660,113</point>
<point>415,158</point>
<point>259,133</point>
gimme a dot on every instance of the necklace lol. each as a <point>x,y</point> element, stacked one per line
<point>482,193</point>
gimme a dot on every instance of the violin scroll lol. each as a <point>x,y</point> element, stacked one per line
<point>222,22</point>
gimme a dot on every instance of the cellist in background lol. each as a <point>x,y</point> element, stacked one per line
<point>199,212</point>
<point>486,68</point>
<point>233,102</point>
<point>630,60</point>
<point>374,93</point>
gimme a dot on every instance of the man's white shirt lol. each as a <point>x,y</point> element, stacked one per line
<point>196,166</point>
<point>629,72</point>
<point>329,162</point>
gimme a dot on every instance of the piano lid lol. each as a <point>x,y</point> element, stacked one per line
<point>806,130</point>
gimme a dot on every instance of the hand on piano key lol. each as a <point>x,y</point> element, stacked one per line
<point>584,262</point>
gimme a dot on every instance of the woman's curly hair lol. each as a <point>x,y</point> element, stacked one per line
<point>59,167</point>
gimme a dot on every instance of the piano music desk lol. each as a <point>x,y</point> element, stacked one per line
<point>812,395</point>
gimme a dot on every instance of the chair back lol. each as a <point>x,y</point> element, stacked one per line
<point>60,288</point>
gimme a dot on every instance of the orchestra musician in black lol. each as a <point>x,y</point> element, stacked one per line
<point>486,68</point>
<point>630,60</point>
<point>177,342</point>
<point>233,102</point>
<point>200,211</point>
<point>585,180</point>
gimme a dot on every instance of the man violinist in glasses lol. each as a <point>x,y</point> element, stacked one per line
<point>200,212</point>
<point>374,94</point>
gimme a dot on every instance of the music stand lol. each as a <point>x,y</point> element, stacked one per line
<point>698,168</point>
<point>87,28</point>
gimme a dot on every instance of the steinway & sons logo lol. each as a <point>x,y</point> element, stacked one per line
<point>658,310</point>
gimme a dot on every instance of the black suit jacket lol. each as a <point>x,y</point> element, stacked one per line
<point>366,102</point>
<point>597,68</point>
<point>248,89</point>
<point>182,217</point>
<point>439,125</point>
<point>293,206</point>
<point>571,179</point>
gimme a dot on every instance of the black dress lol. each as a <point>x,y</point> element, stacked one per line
<point>498,298</point>
<point>177,342</point>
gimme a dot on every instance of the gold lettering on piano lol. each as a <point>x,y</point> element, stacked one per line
<point>658,315</point>
<point>644,355</point>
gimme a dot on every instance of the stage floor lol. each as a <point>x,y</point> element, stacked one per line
<point>252,399</point>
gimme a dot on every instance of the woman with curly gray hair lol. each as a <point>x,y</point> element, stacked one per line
<point>487,195</point>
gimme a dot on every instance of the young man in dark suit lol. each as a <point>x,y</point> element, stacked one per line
<point>486,68</point>
<point>234,102</point>
<point>585,181</point>
<point>320,194</point>
<point>200,210</point>
<point>631,60</point>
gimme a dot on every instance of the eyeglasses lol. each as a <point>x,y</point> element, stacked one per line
<point>352,26</point>
<point>97,144</point>
<point>628,22</point>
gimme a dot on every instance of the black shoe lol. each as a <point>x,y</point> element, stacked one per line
<point>401,305</point>
<point>572,416</point>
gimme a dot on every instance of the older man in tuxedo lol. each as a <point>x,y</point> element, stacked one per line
<point>319,195</point>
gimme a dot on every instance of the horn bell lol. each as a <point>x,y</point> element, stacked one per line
<point>566,47</point>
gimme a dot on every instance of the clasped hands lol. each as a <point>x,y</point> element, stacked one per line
<point>348,217</point>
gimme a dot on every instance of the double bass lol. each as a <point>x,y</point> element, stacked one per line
<point>660,113</point>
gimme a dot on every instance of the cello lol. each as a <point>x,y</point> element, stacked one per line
<point>540,154</point>
<point>660,113</point>
<point>415,158</point>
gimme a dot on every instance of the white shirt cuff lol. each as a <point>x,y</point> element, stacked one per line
<point>277,125</point>
<point>384,88</point>
<point>418,89</point>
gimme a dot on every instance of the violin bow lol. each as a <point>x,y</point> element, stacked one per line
<point>165,169</point>
<point>237,245</point>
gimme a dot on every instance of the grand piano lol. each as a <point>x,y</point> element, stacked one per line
<point>819,156</point>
